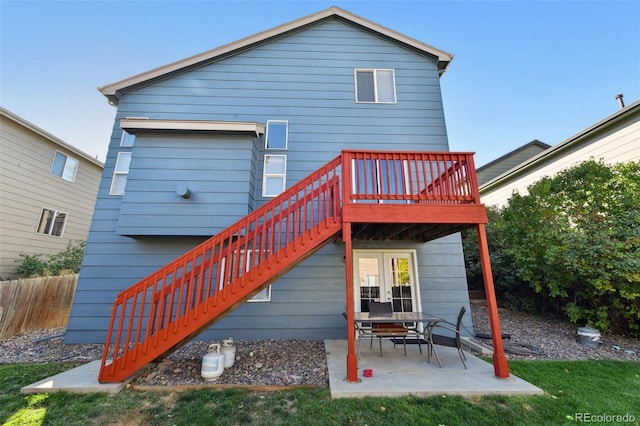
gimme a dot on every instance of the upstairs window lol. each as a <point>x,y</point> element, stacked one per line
<point>375,86</point>
<point>127,139</point>
<point>120,173</point>
<point>277,134</point>
<point>274,175</point>
<point>51,223</point>
<point>64,166</point>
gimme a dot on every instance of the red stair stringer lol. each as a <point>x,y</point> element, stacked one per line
<point>165,310</point>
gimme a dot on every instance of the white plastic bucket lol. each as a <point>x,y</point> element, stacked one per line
<point>589,337</point>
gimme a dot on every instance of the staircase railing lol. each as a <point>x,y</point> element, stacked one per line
<point>160,312</point>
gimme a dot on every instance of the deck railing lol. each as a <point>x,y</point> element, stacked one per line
<point>411,177</point>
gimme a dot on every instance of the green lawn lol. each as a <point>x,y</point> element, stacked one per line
<point>575,392</point>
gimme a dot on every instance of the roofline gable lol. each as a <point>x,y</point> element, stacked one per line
<point>110,91</point>
<point>521,148</point>
<point>579,137</point>
<point>51,138</point>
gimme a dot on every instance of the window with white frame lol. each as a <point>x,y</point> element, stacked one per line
<point>64,166</point>
<point>238,265</point>
<point>274,175</point>
<point>51,222</point>
<point>127,139</point>
<point>277,134</point>
<point>120,173</point>
<point>375,86</point>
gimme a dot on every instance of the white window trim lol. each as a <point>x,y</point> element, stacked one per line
<point>265,175</point>
<point>266,298</point>
<point>286,137</point>
<point>124,137</point>
<point>117,173</point>
<point>248,260</point>
<point>375,85</point>
<point>65,164</point>
<point>55,214</point>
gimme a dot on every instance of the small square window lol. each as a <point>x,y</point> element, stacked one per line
<point>274,175</point>
<point>120,174</point>
<point>64,166</point>
<point>127,139</point>
<point>51,222</point>
<point>277,134</point>
<point>263,296</point>
<point>240,262</point>
<point>375,86</point>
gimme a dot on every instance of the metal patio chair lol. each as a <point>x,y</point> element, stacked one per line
<point>439,339</point>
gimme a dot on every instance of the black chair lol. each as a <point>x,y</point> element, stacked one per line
<point>386,329</point>
<point>453,342</point>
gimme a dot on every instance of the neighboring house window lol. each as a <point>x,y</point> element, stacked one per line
<point>120,173</point>
<point>51,222</point>
<point>275,175</point>
<point>375,86</point>
<point>127,139</point>
<point>228,277</point>
<point>64,166</point>
<point>277,134</point>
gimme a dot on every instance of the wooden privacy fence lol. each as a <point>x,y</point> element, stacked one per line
<point>35,303</point>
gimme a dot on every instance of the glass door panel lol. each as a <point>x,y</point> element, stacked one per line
<point>368,268</point>
<point>385,277</point>
<point>400,282</point>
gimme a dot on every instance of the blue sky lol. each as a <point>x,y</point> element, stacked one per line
<point>522,70</point>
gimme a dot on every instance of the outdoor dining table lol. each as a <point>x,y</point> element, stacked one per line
<point>429,321</point>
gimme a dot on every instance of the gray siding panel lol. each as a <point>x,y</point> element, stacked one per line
<point>306,78</point>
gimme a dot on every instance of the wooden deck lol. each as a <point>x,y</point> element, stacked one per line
<point>366,195</point>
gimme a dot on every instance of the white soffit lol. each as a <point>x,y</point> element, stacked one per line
<point>135,125</point>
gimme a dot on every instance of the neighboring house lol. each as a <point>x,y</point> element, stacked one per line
<point>509,160</point>
<point>222,144</point>
<point>48,190</point>
<point>614,139</point>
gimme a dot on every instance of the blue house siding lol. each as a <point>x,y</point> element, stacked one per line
<point>306,78</point>
<point>213,168</point>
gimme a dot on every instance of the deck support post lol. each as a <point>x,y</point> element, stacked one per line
<point>500,366</point>
<point>352,360</point>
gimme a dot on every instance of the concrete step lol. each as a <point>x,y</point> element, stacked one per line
<point>477,345</point>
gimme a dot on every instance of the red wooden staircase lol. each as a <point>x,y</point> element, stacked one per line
<point>385,195</point>
<point>166,309</point>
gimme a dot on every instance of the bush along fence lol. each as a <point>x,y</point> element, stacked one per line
<point>35,303</point>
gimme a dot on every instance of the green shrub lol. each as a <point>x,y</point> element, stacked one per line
<point>575,240</point>
<point>65,262</point>
<point>570,246</point>
<point>31,265</point>
<point>509,288</point>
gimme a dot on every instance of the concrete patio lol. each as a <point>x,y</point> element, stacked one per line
<point>396,375</point>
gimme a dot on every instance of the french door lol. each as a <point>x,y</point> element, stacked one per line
<point>385,276</point>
